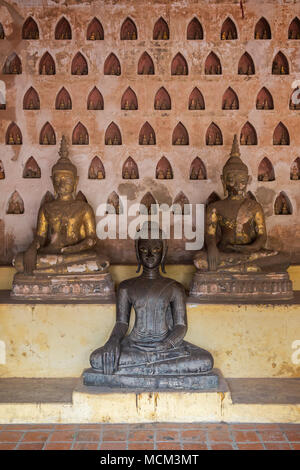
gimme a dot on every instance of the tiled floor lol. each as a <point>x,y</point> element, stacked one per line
<point>150,436</point>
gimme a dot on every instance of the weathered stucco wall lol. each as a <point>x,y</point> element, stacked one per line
<point>16,230</point>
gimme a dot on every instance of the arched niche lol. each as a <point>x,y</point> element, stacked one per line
<point>15,204</point>
<point>280,65</point>
<point>161,30</point>
<point>148,204</point>
<point>213,197</point>
<point>95,100</point>
<point>129,100</point>
<point>2,33</point>
<point>47,135</point>
<point>283,205</point>
<point>114,205</point>
<point>113,135</point>
<point>147,135</point>
<point>181,204</point>
<point>95,31</point>
<point>2,172</point>
<point>198,170</point>
<point>47,65</point>
<point>13,65</point>
<point>262,29</point>
<point>162,99</point>
<point>264,99</point>
<point>112,65</point>
<point>31,99</point>
<point>164,170</point>
<point>145,65</point>
<point>194,30</point>
<point>196,100</point>
<point>79,65</point>
<point>179,65</point>
<point>63,100</point>
<point>295,170</point>
<point>80,135</point>
<point>228,30</point>
<point>294,29</point>
<point>248,135</point>
<point>13,135</point>
<point>214,135</point>
<point>180,135</point>
<point>246,65</point>
<point>130,169</point>
<point>31,169</point>
<point>230,99</point>
<point>30,29</point>
<point>128,30</point>
<point>63,29</point>
<point>48,197</point>
<point>96,169</point>
<point>213,65</point>
<point>281,135</point>
<point>266,171</point>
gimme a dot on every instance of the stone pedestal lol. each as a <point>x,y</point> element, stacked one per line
<point>63,287</point>
<point>245,287</point>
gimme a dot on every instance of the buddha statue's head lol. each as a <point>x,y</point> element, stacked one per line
<point>64,174</point>
<point>235,176</point>
<point>151,248</point>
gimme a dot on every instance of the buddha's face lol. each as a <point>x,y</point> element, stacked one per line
<point>150,253</point>
<point>236,182</point>
<point>64,183</point>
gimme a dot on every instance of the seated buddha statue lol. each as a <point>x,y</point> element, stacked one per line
<point>154,351</point>
<point>65,242</point>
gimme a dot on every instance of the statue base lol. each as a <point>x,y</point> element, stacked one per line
<point>63,287</point>
<point>245,287</point>
<point>202,381</point>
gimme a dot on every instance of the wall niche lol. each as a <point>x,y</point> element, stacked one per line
<point>181,204</point>
<point>95,100</point>
<point>162,100</point>
<point>262,29</point>
<point>12,65</point>
<point>129,100</point>
<point>248,135</point>
<point>47,135</point>
<point>130,170</point>
<point>2,34</point>
<point>114,205</point>
<point>63,100</point>
<point>265,171</point>
<point>164,170</point>
<point>161,30</point>
<point>145,65</point>
<point>198,170</point>
<point>280,65</point>
<point>213,197</point>
<point>179,65</point>
<point>63,29</point>
<point>148,204</point>
<point>194,30</point>
<point>96,169</point>
<point>31,169</point>
<point>295,170</point>
<point>128,30</point>
<point>264,99</point>
<point>31,99</point>
<point>112,65</point>
<point>294,29</point>
<point>80,135</point>
<point>213,65</point>
<point>2,172</point>
<point>113,135</point>
<point>281,135</point>
<point>295,99</point>
<point>47,65</point>
<point>196,100</point>
<point>13,135</point>
<point>214,135</point>
<point>180,135</point>
<point>95,31</point>
<point>147,135</point>
<point>15,204</point>
<point>282,205</point>
<point>79,65</point>
<point>230,99</point>
<point>48,197</point>
<point>30,29</point>
<point>228,30</point>
<point>246,65</point>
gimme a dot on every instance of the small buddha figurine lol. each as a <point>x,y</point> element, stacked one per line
<point>145,140</point>
<point>2,172</point>
<point>295,173</point>
<point>168,174</point>
<point>160,175</point>
<point>126,105</point>
<point>151,139</point>
<point>133,174</point>
<point>223,37</point>
<point>11,140</point>
<point>193,104</point>
<point>116,140</point>
<point>165,35</point>
<point>284,208</point>
<point>126,175</point>
<point>155,349</point>
<point>100,175</point>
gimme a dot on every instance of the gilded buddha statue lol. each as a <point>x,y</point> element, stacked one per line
<point>154,354</point>
<point>235,262</point>
<point>63,258</point>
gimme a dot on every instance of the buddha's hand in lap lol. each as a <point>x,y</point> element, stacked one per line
<point>29,260</point>
<point>110,355</point>
<point>242,248</point>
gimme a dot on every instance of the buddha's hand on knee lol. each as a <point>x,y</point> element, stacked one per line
<point>30,256</point>
<point>213,258</point>
<point>110,355</point>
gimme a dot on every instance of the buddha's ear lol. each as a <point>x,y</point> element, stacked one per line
<point>136,244</point>
<point>163,259</point>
